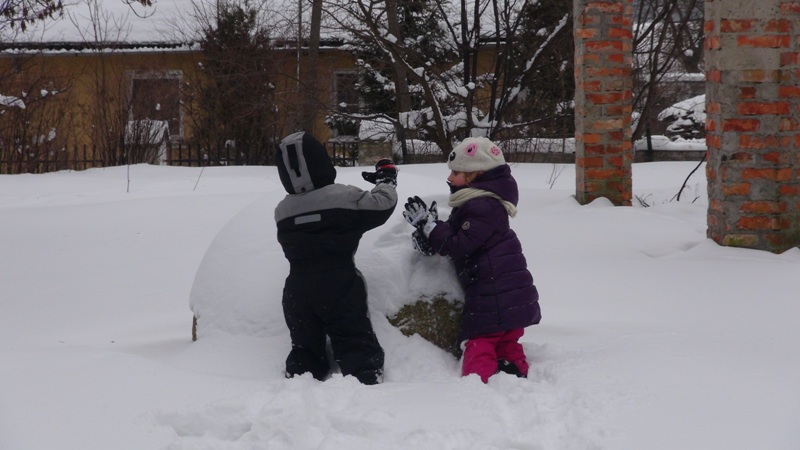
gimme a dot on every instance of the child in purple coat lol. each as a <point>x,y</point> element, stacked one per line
<point>500,297</point>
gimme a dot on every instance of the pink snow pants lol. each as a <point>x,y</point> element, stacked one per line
<point>481,353</point>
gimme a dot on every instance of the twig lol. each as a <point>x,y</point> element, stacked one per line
<point>198,178</point>
<point>678,196</point>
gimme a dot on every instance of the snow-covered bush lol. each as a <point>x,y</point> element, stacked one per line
<point>687,117</point>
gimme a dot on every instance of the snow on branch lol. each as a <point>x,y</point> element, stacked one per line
<point>11,102</point>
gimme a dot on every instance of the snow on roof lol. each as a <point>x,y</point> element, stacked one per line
<point>79,47</point>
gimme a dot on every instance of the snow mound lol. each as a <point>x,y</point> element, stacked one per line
<point>237,288</point>
<point>234,288</point>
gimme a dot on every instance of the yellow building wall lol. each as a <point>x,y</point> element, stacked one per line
<point>96,85</point>
<point>93,84</point>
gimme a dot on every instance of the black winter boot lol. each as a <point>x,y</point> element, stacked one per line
<point>370,377</point>
<point>509,368</point>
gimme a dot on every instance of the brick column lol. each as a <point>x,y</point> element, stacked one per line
<point>753,122</point>
<point>603,100</point>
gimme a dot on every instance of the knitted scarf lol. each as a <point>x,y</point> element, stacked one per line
<point>464,195</point>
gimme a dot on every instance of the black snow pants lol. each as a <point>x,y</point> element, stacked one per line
<point>331,303</point>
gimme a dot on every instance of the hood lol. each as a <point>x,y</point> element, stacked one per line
<point>498,181</point>
<point>303,163</point>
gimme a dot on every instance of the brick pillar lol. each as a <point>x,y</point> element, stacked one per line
<point>753,122</point>
<point>603,100</point>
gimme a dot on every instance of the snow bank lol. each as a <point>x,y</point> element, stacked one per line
<point>237,289</point>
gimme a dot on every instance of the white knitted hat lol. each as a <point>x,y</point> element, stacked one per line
<point>475,154</point>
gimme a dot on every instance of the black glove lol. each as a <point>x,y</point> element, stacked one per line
<point>385,172</point>
<point>421,243</point>
<point>418,214</point>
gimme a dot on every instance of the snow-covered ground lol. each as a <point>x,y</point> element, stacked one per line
<point>653,336</point>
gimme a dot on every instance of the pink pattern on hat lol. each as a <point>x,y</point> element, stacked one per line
<point>475,154</point>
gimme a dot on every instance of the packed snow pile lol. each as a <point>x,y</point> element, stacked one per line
<point>237,289</point>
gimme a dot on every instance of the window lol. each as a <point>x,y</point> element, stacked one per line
<point>155,96</point>
<point>345,93</point>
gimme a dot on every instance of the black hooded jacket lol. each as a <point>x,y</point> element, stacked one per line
<point>320,222</point>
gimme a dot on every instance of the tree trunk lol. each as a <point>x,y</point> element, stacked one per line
<point>309,107</point>
<point>401,79</point>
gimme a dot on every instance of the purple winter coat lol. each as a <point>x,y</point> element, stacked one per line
<point>499,290</point>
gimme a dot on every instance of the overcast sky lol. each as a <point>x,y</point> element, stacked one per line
<point>167,20</point>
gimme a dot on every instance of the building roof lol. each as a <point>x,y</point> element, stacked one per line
<point>79,47</point>
<point>169,25</point>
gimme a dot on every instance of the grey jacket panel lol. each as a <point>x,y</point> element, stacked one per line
<point>291,148</point>
<point>337,196</point>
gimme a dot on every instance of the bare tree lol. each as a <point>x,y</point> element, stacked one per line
<point>21,13</point>
<point>35,127</point>
<point>231,102</point>
<point>107,108</point>
<point>399,69</point>
<point>310,107</point>
<point>455,93</point>
<point>668,38</point>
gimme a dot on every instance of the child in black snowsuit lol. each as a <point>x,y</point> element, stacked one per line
<point>320,224</point>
